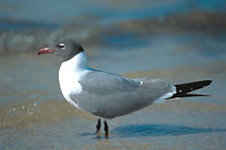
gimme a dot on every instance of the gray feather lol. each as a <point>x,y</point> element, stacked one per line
<point>114,95</point>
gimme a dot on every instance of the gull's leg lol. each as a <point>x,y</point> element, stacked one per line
<point>106,129</point>
<point>98,127</point>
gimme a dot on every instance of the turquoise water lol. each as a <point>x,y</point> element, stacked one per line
<point>61,12</point>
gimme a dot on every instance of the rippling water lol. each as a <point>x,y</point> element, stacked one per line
<point>35,115</point>
<point>148,39</point>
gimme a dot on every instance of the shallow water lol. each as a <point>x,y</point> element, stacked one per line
<point>33,113</point>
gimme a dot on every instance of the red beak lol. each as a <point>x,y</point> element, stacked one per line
<point>45,50</point>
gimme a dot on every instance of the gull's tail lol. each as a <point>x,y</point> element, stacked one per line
<point>184,89</point>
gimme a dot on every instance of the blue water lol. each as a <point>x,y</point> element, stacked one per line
<point>33,113</point>
<point>57,12</point>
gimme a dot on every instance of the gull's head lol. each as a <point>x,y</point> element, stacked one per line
<point>66,49</point>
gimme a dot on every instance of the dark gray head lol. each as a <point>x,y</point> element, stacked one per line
<point>65,49</point>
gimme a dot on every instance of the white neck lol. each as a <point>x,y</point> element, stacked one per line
<point>70,73</point>
<point>77,63</point>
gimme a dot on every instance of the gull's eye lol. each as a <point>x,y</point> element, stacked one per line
<point>61,45</point>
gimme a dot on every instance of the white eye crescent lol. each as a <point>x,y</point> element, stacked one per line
<point>61,45</point>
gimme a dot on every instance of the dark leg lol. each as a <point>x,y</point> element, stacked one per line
<point>98,127</point>
<point>106,129</point>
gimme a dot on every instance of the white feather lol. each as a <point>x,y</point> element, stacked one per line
<point>167,95</point>
<point>69,75</point>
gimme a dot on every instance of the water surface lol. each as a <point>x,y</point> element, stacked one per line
<point>149,39</point>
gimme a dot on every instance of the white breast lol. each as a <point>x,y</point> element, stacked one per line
<point>69,75</point>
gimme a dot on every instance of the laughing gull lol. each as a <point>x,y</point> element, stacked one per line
<point>109,95</point>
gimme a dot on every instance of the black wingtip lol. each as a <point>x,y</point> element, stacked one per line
<point>202,82</point>
<point>207,82</point>
<point>194,95</point>
<point>185,88</point>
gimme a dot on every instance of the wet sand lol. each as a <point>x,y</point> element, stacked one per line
<point>34,115</point>
<point>180,42</point>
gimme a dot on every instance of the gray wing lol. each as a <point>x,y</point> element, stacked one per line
<point>102,83</point>
<point>109,95</point>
